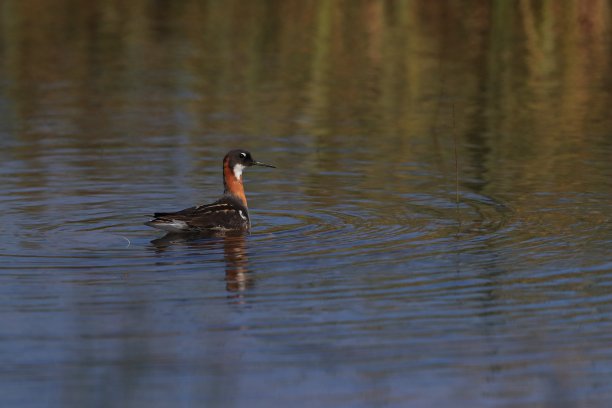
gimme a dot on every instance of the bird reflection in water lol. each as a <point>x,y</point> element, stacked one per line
<point>237,276</point>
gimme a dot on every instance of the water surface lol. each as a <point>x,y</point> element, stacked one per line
<point>437,233</point>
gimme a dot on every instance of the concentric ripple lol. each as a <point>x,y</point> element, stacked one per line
<point>356,229</point>
<point>376,280</point>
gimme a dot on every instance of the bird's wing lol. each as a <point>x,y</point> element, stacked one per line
<point>220,214</point>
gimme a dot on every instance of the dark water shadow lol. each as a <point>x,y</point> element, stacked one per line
<point>238,276</point>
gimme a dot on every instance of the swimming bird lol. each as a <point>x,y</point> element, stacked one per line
<point>230,212</point>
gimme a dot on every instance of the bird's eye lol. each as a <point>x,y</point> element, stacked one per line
<point>243,155</point>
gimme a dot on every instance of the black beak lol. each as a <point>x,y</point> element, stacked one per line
<point>258,163</point>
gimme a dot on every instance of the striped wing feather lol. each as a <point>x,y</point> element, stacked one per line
<point>222,214</point>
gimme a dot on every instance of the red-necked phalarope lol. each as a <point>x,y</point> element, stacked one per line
<point>230,212</point>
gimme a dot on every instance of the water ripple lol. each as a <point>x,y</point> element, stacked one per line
<point>353,230</point>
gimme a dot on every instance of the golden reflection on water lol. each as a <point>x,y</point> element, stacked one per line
<point>531,73</point>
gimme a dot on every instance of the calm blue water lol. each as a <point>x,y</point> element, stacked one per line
<point>364,281</point>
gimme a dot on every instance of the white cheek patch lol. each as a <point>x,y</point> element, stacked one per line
<point>238,171</point>
<point>242,215</point>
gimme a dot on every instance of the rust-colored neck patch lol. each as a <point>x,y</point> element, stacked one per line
<point>232,184</point>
